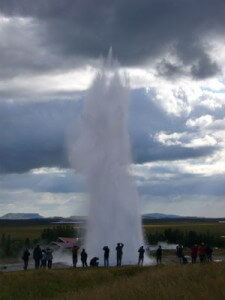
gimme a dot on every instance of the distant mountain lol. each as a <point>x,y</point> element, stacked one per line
<point>160,216</point>
<point>77,218</point>
<point>21,216</point>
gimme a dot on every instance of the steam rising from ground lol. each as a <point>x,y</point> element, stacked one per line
<point>102,154</point>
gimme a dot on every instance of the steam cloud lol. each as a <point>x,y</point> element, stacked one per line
<point>102,154</point>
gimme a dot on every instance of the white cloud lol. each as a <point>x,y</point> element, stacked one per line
<point>206,140</point>
<point>169,139</point>
<point>216,50</point>
<point>186,139</point>
<point>202,121</point>
<point>48,171</point>
<point>32,86</point>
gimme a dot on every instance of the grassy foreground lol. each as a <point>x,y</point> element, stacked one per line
<point>200,281</point>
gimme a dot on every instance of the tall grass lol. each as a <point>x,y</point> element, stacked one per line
<point>200,281</point>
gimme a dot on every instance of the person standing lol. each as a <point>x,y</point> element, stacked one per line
<point>49,258</point>
<point>106,256</point>
<point>208,253</point>
<point>179,252</point>
<point>84,257</point>
<point>25,258</point>
<point>75,255</point>
<point>141,251</point>
<point>201,252</point>
<point>159,255</point>
<point>194,253</point>
<point>37,255</point>
<point>119,253</point>
<point>43,259</point>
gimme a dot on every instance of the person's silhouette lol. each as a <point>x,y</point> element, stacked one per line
<point>75,254</point>
<point>119,253</point>
<point>94,262</point>
<point>25,258</point>
<point>37,255</point>
<point>141,255</point>
<point>106,255</point>
<point>159,255</point>
<point>84,256</point>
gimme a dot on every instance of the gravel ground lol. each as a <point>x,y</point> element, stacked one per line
<point>10,267</point>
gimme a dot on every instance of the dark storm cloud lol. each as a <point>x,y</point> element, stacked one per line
<point>170,70</point>
<point>147,151</point>
<point>50,182</point>
<point>23,52</point>
<point>35,135</point>
<point>205,68</point>
<point>138,31</point>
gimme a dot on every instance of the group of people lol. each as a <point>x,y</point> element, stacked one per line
<point>203,252</point>
<point>94,262</point>
<point>42,258</point>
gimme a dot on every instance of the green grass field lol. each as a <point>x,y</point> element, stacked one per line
<point>22,232</point>
<point>215,228</point>
<point>34,232</point>
<point>200,281</point>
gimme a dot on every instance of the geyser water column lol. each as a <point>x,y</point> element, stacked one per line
<point>102,153</point>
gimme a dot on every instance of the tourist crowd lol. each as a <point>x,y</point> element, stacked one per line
<point>43,257</point>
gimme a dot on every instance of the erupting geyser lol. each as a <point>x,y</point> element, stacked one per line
<point>102,154</point>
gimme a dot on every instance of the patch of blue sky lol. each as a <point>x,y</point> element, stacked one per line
<point>215,91</point>
<point>222,81</point>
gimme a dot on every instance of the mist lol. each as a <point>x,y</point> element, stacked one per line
<point>102,154</point>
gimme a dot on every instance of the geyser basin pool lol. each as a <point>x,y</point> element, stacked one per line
<point>102,154</point>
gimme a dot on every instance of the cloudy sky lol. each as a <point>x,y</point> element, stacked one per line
<point>174,54</point>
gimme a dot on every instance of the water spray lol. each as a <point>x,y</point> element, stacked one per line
<point>102,153</point>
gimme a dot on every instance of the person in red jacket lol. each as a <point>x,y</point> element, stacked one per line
<point>194,253</point>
